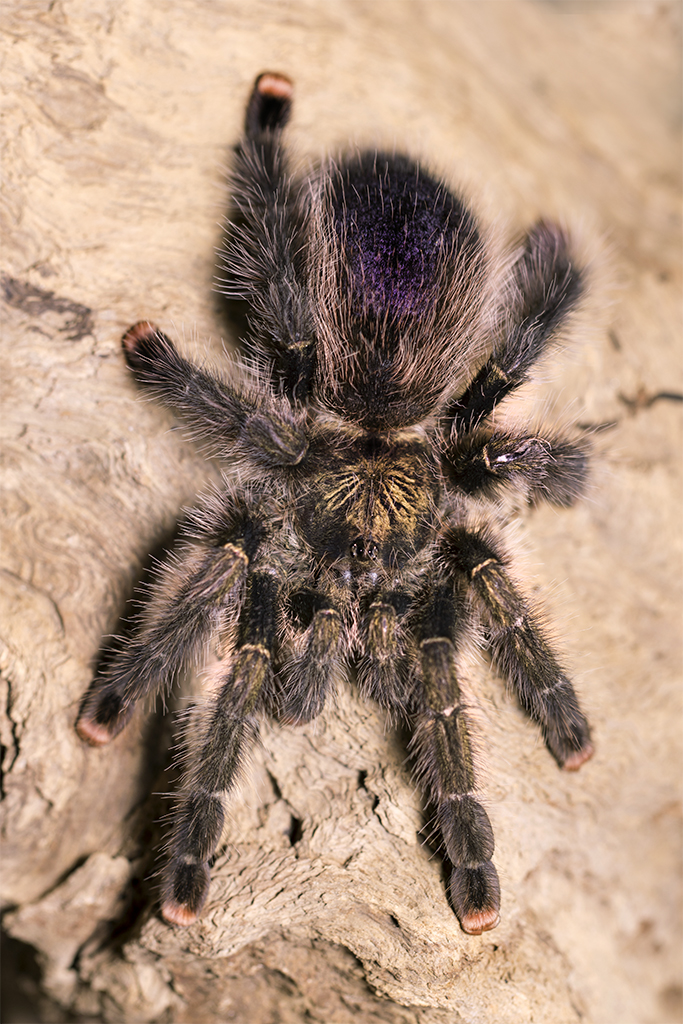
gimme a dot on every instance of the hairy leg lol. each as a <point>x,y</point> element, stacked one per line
<point>445,763</point>
<point>519,648</point>
<point>384,666</point>
<point>268,432</point>
<point>313,655</point>
<point>551,469</point>
<point>200,588</point>
<point>230,728</point>
<point>546,287</point>
<point>175,626</point>
<point>266,251</point>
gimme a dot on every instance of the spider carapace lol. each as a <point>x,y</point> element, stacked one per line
<point>372,500</point>
<point>383,335</point>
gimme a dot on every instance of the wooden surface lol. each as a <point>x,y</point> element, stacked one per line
<point>326,905</point>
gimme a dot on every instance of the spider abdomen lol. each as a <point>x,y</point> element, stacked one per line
<point>399,289</point>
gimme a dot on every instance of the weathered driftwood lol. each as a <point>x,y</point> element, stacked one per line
<point>326,904</point>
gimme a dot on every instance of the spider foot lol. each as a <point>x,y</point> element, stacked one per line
<point>568,737</point>
<point>186,888</point>
<point>573,761</point>
<point>475,896</point>
<point>273,84</point>
<point>142,344</point>
<point>270,103</point>
<point>99,722</point>
<point>94,733</point>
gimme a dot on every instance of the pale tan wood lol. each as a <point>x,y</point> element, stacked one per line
<point>118,119</point>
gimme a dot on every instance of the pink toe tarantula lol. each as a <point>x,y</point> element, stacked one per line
<point>382,337</point>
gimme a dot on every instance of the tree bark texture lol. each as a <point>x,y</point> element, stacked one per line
<point>327,904</point>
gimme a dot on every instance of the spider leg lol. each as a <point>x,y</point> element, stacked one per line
<point>546,288</point>
<point>176,624</point>
<point>265,252</point>
<point>314,657</point>
<point>231,725</point>
<point>269,432</point>
<point>198,587</point>
<point>551,469</point>
<point>519,649</point>
<point>444,760</point>
<point>383,670</point>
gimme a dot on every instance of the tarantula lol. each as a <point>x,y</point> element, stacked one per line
<point>382,336</point>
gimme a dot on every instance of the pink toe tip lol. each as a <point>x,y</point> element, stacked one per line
<point>579,757</point>
<point>94,733</point>
<point>480,921</point>
<point>142,329</point>
<point>271,83</point>
<point>178,913</point>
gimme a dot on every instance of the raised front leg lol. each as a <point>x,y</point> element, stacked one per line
<point>266,247</point>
